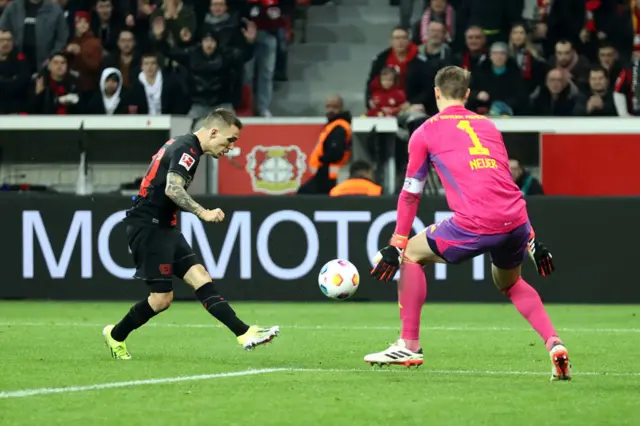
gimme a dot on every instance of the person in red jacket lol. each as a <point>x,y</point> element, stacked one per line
<point>387,98</point>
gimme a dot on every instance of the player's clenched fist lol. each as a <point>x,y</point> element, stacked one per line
<point>216,215</point>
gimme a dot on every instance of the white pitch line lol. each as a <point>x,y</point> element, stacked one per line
<point>23,393</point>
<point>329,327</point>
<point>47,391</point>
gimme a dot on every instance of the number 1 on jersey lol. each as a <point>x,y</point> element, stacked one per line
<point>477,148</point>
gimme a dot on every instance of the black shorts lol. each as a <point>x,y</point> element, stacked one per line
<point>159,254</point>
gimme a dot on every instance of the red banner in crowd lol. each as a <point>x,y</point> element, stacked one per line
<point>590,165</point>
<point>272,161</point>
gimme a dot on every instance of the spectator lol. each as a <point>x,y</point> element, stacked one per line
<point>36,42</point>
<point>332,151</point>
<point>55,89</point>
<point>438,11</point>
<point>230,31</point>
<point>532,66</point>
<point>211,71</point>
<point>598,101</point>
<point>155,93</point>
<point>269,17</point>
<point>563,20</point>
<point>436,51</point>
<point>521,176</point>
<point>475,51</point>
<point>493,16</point>
<point>497,87</point>
<point>411,69</point>
<point>360,182</point>
<point>125,58</point>
<point>600,21</point>
<point>236,38</point>
<point>389,99</point>
<point>556,98</point>
<point>627,88</point>
<point>105,25</point>
<point>137,14</point>
<point>14,77</point>
<point>608,59</point>
<point>109,100</point>
<point>173,24</point>
<point>85,54</point>
<point>567,59</point>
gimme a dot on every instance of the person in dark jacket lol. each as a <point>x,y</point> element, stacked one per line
<point>529,60</point>
<point>575,65</point>
<point>231,31</point>
<point>211,74</point>
<point>475,51</point>
<point>54,91</point>
<point>521,176</point>
<point>39,29</point>
<point>598,101</point>
<point>555,98</point>
<point>436,11</point>
<point>155,92</point>
<point>109,100</point>
<point>236,38</point>
<point>125,58</point>
<point>14,77</point>
<point>608,58</point>
<point>403,55</point>
<point>498,82</point>
<point>106,25</point>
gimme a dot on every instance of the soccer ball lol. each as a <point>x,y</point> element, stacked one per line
<point>338,279</point>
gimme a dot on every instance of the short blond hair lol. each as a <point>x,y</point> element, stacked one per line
<point>453,82</point>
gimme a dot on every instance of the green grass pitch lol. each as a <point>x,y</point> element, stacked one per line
<point>483,366</point>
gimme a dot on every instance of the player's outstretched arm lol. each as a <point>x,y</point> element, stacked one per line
<point>175,189</point>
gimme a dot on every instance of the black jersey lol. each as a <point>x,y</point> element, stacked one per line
<point>180,155</point>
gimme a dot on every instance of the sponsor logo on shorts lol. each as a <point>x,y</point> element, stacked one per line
<point>187,161</point>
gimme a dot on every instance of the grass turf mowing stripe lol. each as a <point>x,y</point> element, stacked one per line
<point>325,327</point>
<point>48,391</point>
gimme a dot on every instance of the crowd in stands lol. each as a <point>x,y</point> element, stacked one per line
<point>526,57</point>
<point>142,56</point>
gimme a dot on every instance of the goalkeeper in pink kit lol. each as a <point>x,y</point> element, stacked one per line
<point>490,216</point>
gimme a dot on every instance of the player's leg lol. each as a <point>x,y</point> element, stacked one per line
<point>412,293</point>
<point>188,267</point>
<point>152,252</point>
<point>506,271</point>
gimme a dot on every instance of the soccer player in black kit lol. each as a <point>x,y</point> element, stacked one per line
<point>159,249</point>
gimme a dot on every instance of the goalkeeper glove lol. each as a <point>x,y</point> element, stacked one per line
<point>540,255</point>
<point>388,259</point>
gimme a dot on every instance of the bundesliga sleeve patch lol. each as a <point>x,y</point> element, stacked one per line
<point>186,161</point>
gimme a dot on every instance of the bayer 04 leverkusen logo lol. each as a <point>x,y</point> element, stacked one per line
<point>276,170</point>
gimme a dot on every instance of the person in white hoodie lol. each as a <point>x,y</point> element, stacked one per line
<point>109,99</point>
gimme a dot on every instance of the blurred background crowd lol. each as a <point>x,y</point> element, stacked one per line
<point>528,57</point>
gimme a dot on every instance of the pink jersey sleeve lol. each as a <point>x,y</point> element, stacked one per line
<point>415,179</point>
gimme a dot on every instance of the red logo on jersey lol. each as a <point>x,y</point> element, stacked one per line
<point>187,161</point>
<point>165,269</point>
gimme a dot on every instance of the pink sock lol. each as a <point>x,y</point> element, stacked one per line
<point>412,292</point>
<point>527,301</point>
